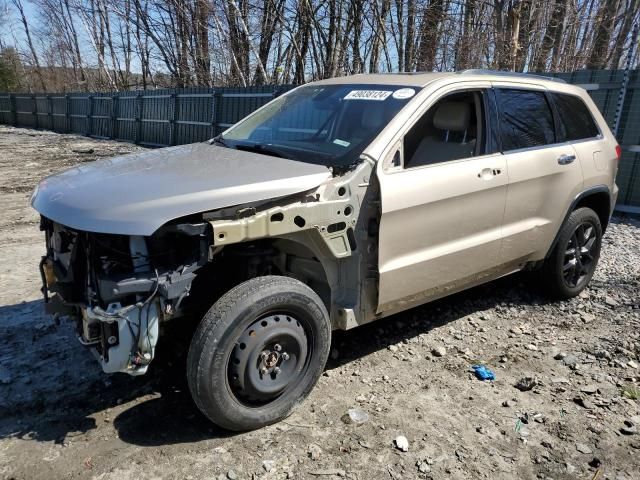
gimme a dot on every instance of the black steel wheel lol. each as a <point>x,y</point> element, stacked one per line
<point>573,261</point>
<point>258,352</point>
<point>271,354</point>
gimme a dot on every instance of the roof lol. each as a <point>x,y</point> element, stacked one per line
<point>420,79</point>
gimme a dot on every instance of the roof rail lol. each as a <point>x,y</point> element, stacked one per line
<point>483,71</point>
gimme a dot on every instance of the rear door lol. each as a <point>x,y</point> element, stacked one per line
<point>544,174</point>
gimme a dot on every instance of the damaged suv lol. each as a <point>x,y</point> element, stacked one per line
<point>341,202</point>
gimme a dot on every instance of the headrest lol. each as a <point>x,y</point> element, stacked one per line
<point>452,116</point>
<point>372,118</point>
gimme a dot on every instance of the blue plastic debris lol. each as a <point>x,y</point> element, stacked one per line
<point>483,373</point>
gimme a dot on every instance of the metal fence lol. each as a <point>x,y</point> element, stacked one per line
<point>617,98</point>
<point>177,116</point>
<point>155,118</point>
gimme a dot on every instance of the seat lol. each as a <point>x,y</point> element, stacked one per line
<point>453,139</point>
<point>363,121</point>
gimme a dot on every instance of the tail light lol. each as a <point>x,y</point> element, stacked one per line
<point>618,152</point>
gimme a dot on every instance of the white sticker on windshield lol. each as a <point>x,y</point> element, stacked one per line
<point>342,143</point>
<point>404,93</point>
<point>377,95</point>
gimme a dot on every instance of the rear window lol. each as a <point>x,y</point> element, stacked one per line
<point>576,122</point>
<point>525,119</point>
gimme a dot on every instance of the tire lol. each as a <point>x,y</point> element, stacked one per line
<point>237,376</point>
<point>568,270</point>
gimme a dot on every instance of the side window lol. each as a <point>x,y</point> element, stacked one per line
<point>525,119</point>
<point>576,122</point>
<point>452,129</point>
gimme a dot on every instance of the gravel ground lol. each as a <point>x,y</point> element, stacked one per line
<point>578,416</point>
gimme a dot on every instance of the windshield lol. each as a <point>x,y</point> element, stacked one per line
<point>324,124</point>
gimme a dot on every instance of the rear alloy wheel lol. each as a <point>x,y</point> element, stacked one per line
<point>579,255</point>
<point>573,261</point>
<point>258,352</point>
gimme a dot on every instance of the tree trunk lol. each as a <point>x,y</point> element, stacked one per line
<point>430,35</point>
<point>604,30</point>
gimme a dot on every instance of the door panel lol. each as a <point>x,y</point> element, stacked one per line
<point>440,227</point>
<point>544,176</point>
<point>541,188</point>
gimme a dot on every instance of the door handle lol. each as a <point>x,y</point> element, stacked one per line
<point>566,159</point>
<point>489,173</point>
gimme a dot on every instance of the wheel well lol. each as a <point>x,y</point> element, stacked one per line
<point>600,203</point>
<point>235,264</point>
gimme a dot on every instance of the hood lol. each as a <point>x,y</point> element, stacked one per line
<point>136,194</point>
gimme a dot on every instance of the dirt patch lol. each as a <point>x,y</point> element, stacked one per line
<point>61,417</point>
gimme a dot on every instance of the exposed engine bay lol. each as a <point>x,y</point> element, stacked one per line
<point>119,288</point>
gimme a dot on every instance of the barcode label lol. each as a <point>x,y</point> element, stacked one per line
<point>377,95</point>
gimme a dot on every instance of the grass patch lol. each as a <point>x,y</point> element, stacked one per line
<point>630,392</point>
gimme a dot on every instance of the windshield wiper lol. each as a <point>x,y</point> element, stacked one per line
<point>219,140</point>
<point>263,149</point>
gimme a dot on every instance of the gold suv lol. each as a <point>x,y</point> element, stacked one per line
<point>341,202</point>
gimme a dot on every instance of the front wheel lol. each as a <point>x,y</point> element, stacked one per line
<point>258,352</point>
<point>573,261</point>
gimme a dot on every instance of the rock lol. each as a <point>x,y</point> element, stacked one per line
<point>595,462</point>
<point>329,472</point>
<point>610,301</point>
<point>582,448</point>
<point>356,416</point>
<point>570,360</point>
<point>393,348</point>
<point>532,347</point>
<point>587,317</point>
<point>335,354</point>
<point>423,466</point>
<point>560,355</point>
<point>603,354</point>
<point>84,150</point>
<point>314,451</point>
<point>401,443</point>
<point>589,389</point>
<point>526,383</point>
<point>515,330</point>
<point>438,351</point>
<point>268,465</point>
<point>629,428</point>
<point>632,364</point>
<point>507,403</point>
<point>584,403</point>
<point>231,475</point>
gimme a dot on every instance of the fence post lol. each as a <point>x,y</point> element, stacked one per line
<point>173,107</point>
<point>49,110</point>
<point>89,116</point>
<point>138,117</point>
<point>67,118</point>
<point>625,81</point>
<point>114,116</point>
<point>14,113</point>
<point>215,96</point>
<point>34,107</point>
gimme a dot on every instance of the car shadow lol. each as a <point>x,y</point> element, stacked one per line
<point>159,407</point>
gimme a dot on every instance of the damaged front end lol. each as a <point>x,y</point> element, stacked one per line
<point>119,289</point>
